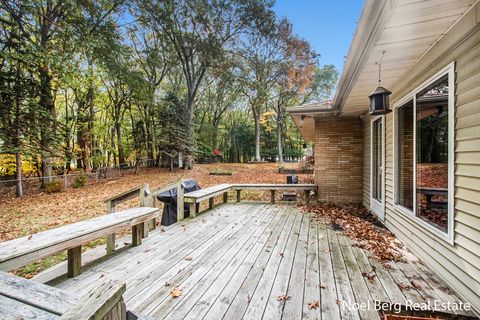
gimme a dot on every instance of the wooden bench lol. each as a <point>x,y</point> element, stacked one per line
<point>192,198</point>
<point>430,192</point>
<point>25,250</point>
<point>306,187</point>
<point>27,299</point>
<point>195,197</point>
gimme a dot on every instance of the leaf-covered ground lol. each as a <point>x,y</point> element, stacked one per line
<point>34,213</point>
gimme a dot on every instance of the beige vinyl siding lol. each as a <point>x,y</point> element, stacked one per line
<point>457,264</point>
<point>366,162</point>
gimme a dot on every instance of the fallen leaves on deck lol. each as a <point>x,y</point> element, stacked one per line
<point>283,297</point>
<point>188,258</point>
<point>314,304</point>
<point>360,226</point>
<point>176,292</point>
<point>370,275</point>
<point>403,286</point>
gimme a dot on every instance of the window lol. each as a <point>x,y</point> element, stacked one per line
<point>423,147</point>
<point>432,154</point>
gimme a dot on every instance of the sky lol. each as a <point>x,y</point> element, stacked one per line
<point>328,25</point>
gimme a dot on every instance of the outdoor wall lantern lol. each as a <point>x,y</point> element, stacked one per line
<point>379,99</point>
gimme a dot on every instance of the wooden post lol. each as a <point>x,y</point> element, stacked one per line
<point>225,197</point>
<point>137,234</point>
<point>111,237</point>
<point>272,195</point>
<point>144,202</point>
<point>238,195</point>
<point>211,202</point>
<point>180,202</point>
<point>74,257</point>
<point>104,301</point>
<point>152,224</point>
<point>193,210</point>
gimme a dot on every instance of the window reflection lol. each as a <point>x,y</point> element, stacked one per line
<point>432,154</point>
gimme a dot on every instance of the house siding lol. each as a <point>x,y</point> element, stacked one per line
<point>338,159</point>
<point>457,264</point>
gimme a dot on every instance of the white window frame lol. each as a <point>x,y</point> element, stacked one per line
<point>449,235</point>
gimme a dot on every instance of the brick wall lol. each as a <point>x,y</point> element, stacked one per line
<point>338,159</point>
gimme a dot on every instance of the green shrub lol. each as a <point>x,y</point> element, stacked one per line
<point>80,181</point>
<point>53,187</point>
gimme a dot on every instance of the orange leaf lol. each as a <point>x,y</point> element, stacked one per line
<point>314,304</point>
<point>176,292</point>
<point>283,297</point>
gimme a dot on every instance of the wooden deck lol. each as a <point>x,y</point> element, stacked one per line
<point>235,261</point>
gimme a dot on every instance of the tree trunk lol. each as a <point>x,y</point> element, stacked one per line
<point>118,129</point>
<point>91,118</point>
<point>257,136</point>
<point>48,128</point>
<point>188,158</point>
<point>280,144</point>
<point>214,135</point>
<point>18,175</point>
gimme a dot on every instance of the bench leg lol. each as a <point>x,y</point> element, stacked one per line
<point>238,195</point>
<point>152,224</point>
<point>137,234</point>
<point>211,203</point>
<point>193,210</point>
<point>272,196</point>
<point>225,197</point>
<point>74,264</point>
<point>145,230</point>
<point>110,243</point>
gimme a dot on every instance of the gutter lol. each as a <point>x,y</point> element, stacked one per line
<point>310,110</point>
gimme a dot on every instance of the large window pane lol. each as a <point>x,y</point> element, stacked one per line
<point>432,154</point>
<point>405,155</point>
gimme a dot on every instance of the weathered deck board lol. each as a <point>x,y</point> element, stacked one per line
<point>358,281</point>
<point>10,310</point>
<point>51,300</point>
<point>328,293</point>
<point>262,293</point>
<point>240,288</point>
<point>237,269</point>
<point>293,307</point>
<point>235,254</point>
<point>312,274</point>
<point>346,297</point>
<point>233,262</point>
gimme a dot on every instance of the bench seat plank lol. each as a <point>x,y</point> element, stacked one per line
<point>38,295</point>
<point>265,186</point>
<point>11,309</point>
<point>202,194</point>
<point>21,251</point>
